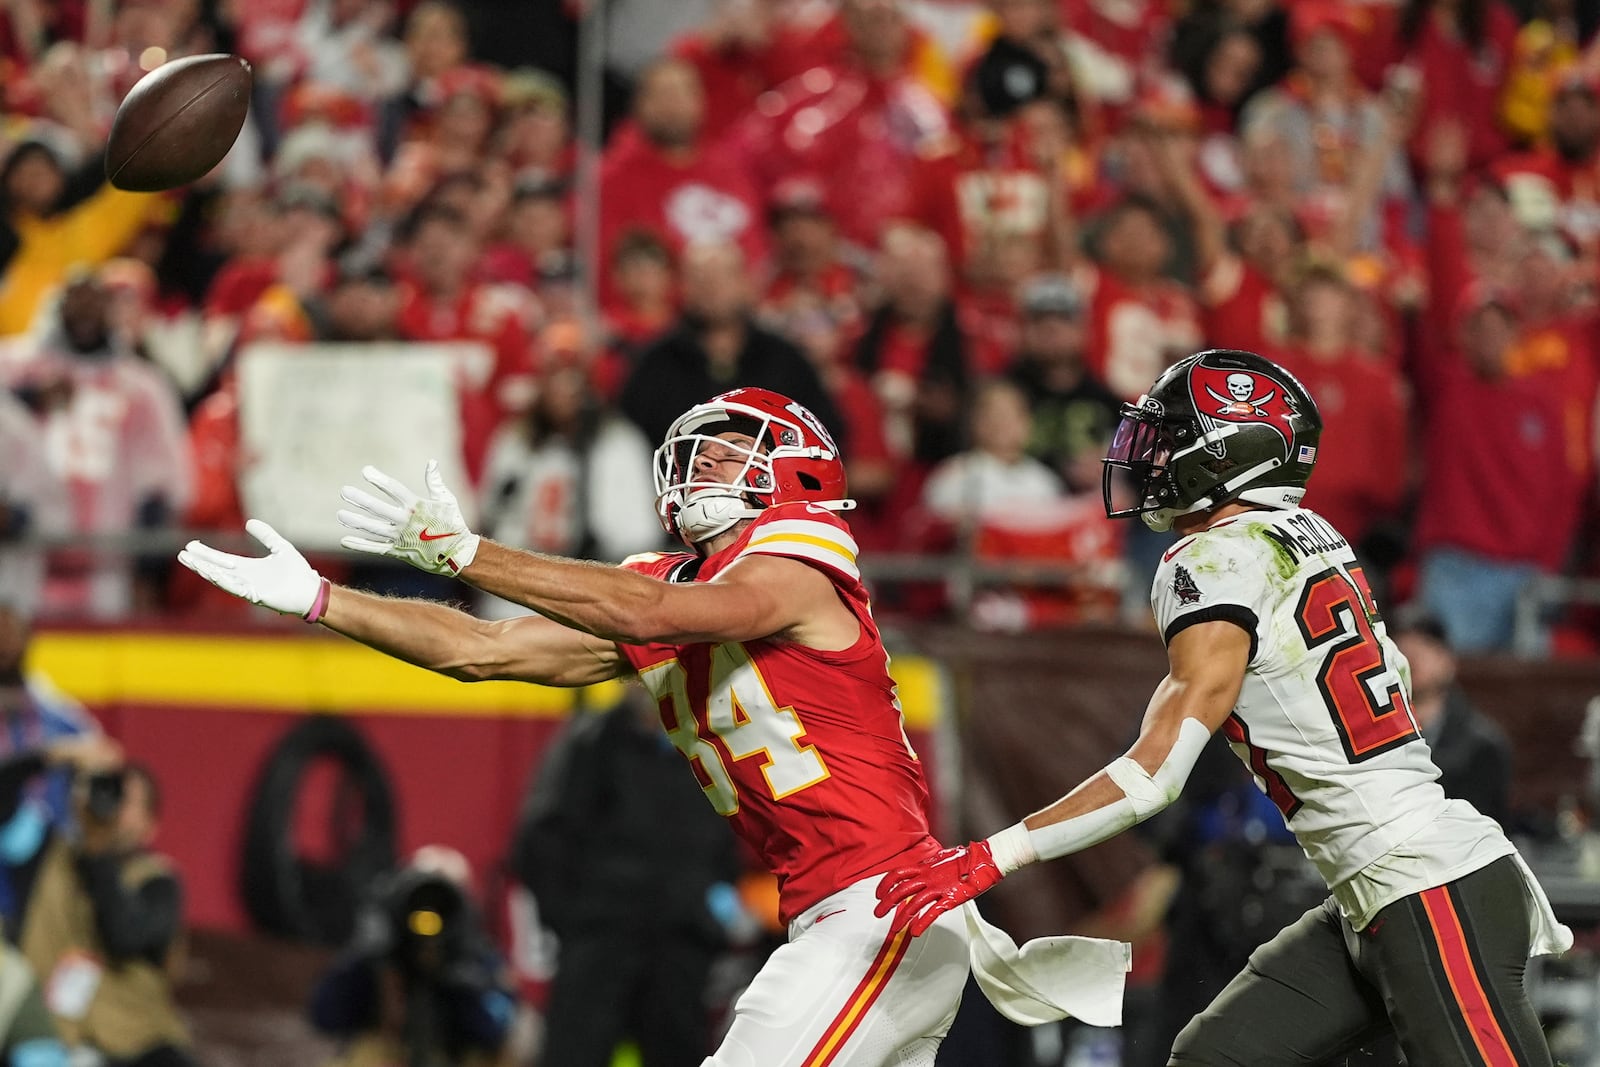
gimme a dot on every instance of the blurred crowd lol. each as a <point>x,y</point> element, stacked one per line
<point>962,233</point>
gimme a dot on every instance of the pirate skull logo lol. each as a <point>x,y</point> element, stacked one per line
<point>1242,399</point>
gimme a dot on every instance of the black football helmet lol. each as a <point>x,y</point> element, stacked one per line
<point>1219,425</point>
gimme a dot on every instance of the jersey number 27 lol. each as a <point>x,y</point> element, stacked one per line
<point>1360,687</point>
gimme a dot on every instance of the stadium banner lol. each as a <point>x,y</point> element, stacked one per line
<point>311,416</point>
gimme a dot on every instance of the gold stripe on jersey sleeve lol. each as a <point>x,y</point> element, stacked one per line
<point>805,539</point>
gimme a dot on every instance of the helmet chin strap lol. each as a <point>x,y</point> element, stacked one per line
<point>709,512</point>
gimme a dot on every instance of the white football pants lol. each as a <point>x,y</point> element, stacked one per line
<point>844,992</point>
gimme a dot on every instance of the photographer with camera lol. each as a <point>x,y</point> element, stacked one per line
<point>420,984</point>
<point>44,734</point>
<point>103,927</point>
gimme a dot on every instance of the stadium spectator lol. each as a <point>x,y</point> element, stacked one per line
<point>1244,269</point>
<point>436,42</point>
<point>113,434</point>
<point>1140,319</point>
<point>1547,45</point>
<point>913,352</point>
<point>533,137</point>
<point>1459,55</point>
<point>1072,412</point>
<point>636,875</point>
<point>1558,183</point>
<point>1114,46</point>
<point>1026,61</point>
<point>536,237</point>
<point>570,478</point>
<point>999,193</point>
<point>33,503</point>
<point>646,302</point>
<point>46,735</point>
<point>1472,753</point>
<point>736,56</point>
<point>662,174</point>
<point>104,928</point>
<point>1224,64</point>
<point>290,242</point>
<point>717,346</point>
<point>876,38</point>
<point>996,477</point>
<point>327,143</point>
<point>361,305</point>
<point>440,300</point>
<point>449,142</point>
<point>885,89</point>
<point>1501,497</point>
<point>1361,476</point>
<point>55,214</point>
<point>1328,124</point>
<point>345,45</point>
<point>814,295</point>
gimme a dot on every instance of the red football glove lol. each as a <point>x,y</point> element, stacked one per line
<point>941,883</point>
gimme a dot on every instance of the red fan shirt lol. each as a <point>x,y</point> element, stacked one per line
<point>1135,333</point>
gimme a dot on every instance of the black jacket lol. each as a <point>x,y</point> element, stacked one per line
<point>673,374</point>
<point>617,834</point>
<point>1473,756</point>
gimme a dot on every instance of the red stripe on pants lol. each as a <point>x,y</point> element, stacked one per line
<point>860,1000</point>
<point>1464,980</point>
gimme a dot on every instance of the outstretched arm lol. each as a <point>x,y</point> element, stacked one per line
<point>759,596</point>
<point>454,643</point>
<point>428,635</point>
<point>1207,669</point>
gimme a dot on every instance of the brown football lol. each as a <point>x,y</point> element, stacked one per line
<point>178,122</point>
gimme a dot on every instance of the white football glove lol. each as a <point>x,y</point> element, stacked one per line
<point>281,580</point>
<point>430,533</point>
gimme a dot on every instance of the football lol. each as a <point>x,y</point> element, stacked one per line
<point>178,122</point>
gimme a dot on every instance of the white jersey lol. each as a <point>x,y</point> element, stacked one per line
<point>1324,718</point>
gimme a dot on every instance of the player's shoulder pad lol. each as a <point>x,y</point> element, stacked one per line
<point>802,531</point>
<point>1227,559</point>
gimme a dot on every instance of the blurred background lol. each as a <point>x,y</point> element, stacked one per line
<point>520,236</point>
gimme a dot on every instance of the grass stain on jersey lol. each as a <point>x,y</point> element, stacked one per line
<point>1282,558</point>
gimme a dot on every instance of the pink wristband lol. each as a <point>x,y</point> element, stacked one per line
<point>319,606</point>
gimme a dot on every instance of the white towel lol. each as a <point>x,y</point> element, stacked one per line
<point>1547,937</point>
<point>1050,978</point>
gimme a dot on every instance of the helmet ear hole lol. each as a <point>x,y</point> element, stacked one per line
<point>809,481</point>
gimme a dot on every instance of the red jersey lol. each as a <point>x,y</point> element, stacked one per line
<point>707,197</point>
<point>1241,308</point>
<point>1459,82</point>
<point>1575,187</point>
<point>1136,333</point>
<point>731,75</point>
<point>1362,462</point>
<point>804,751</point>
<point>1508,459</point>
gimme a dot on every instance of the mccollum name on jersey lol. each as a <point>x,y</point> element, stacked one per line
<point>1307,535</point>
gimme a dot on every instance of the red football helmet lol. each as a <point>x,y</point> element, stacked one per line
<point>793,459</point>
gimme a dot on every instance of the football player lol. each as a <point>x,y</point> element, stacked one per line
<point>1273,638</point>
<point>760,647</point>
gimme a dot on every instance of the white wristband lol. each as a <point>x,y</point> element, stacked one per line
<point>1013,848</point>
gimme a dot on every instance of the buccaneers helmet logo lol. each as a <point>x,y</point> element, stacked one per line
<point>1222,395</point>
